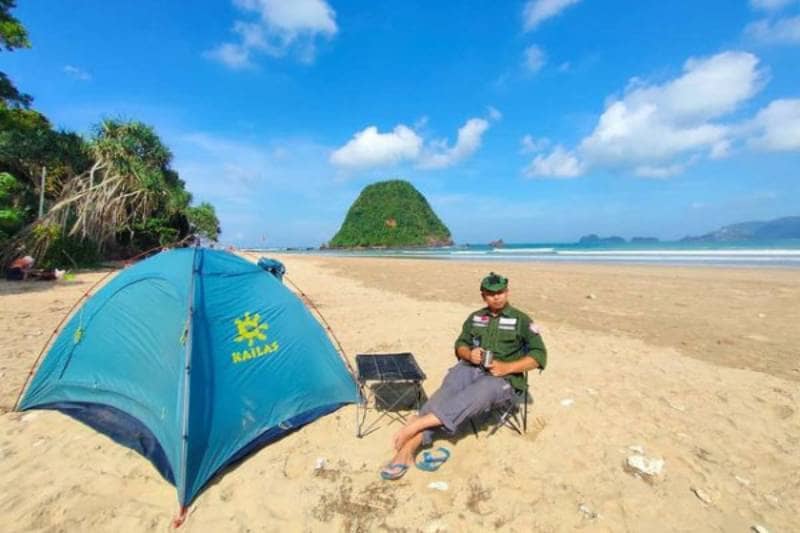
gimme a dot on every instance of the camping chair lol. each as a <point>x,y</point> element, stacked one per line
<point>389,383</point>
<point>512,414</point>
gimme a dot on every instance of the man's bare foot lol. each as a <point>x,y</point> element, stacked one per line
<point>398,439</point>
<point>402,436</point>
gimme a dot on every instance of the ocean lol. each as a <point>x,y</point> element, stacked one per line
<point>777,253</point>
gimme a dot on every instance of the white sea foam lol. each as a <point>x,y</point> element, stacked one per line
<point>522,250</point>
<point>714,253</point>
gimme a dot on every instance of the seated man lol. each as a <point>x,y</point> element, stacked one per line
<point>473,386</point>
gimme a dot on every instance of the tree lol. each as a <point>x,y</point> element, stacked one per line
<point>128,181</point>
<point>10,95</point>
<point>12,209</point>
<point>113,193</point>
<point>12,35</point>
<point>28,143</point>
<point>204,222</point>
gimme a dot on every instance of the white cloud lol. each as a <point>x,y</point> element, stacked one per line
<point>494,113</point>
<point>281,27</point>
<point>535,59</point>
<point>77,73</point>
<point>440,155</point>
<point>529,145</point>
<point>658,130</point>
<point>560,163</point>
<point>370,148</point>
<point>721,149</point>
<point>297,16</point>
<point>537,11</point>
<point>777,126</point>
<point>654,171</point>
<point>770,5</point>
<point>653,123</point>
<point>232,55</point>
<point>780,31</point>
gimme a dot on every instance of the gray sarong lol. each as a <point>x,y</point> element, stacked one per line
<point>467,390</point>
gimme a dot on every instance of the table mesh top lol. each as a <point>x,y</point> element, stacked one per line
<point>388,367</point>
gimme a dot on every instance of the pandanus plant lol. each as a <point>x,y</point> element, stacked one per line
<point>129,179</point>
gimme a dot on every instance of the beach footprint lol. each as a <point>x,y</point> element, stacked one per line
<point>535,428</point>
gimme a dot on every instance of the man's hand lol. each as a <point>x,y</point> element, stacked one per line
<point>476,356</point>
<point>499,369</point>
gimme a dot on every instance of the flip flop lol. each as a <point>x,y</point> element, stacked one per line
<point>388,475</point>
<point>431,462</point>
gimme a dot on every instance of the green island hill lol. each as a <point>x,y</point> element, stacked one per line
<point>391,214</point>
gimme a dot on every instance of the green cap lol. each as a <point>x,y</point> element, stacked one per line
<point>494,283</point>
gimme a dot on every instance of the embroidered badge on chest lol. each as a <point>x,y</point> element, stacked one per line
<point>480,321</point>
<point>507,324</point>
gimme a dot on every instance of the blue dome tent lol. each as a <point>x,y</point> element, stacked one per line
<point>194,358</point>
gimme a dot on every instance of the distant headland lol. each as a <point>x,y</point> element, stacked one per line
<point>779,228</point>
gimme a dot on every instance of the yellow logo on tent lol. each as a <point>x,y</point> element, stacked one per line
<point>251,330</point>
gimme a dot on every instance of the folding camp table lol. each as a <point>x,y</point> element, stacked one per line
<point>386,381</point>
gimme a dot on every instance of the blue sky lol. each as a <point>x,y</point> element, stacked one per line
<point>535,121</point>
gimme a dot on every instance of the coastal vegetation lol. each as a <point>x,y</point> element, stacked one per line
<point>70,200</point>
<point>391,214</point>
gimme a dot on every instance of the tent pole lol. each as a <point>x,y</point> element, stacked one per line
<point>187,369</point>
<point>64,318</point>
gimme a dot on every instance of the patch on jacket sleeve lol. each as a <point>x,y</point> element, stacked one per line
<point>534,328</point>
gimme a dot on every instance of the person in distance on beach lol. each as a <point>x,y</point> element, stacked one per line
<point>21,269</point>
<point>478,381</point>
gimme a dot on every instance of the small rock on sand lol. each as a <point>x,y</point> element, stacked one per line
<point>743,481</point>
<point>436,526</point>
<point>702,495</point>
<point>587,511</point>
<point>759,529</point>
<point>319,464</point>
<point>591,296</point>
<point>567,402</point>
<point>438,485</point>
<point>638,448</point>
<point>646,467</point>
<point>676,406</point>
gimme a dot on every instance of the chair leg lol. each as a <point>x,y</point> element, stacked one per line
<point>525,412</point>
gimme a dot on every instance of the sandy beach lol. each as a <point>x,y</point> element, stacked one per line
<point>696,366</point>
